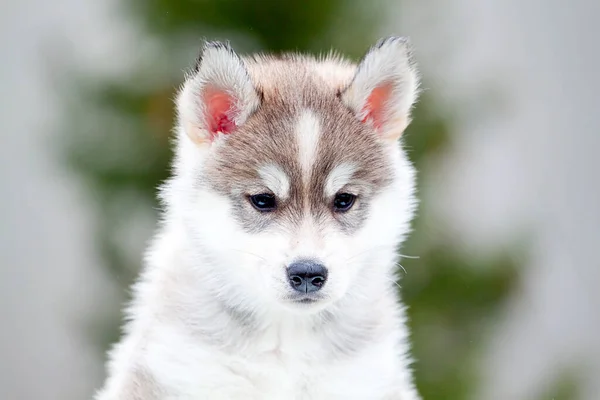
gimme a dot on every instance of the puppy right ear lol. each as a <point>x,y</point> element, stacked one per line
<point>385,87</point>
<point>218,96</point>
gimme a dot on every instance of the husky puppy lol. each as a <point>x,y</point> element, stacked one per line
<point>272,275</point>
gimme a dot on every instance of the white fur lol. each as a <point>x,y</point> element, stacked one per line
<point>275,179</point>
<point>308,130</point>
<point>338,178</point>
<point>203,275</point>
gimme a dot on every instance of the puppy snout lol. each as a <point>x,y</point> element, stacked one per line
<point>307,276</point>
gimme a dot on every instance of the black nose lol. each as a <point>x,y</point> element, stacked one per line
<point>307,276</point>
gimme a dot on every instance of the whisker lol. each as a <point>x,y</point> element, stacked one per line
<point>411,257</point>
<point>395,283</point>
<point>403,269</point>
<point>247,252</point>
<point>369,250</point>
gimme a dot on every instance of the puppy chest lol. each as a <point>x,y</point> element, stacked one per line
<point>274,379</point>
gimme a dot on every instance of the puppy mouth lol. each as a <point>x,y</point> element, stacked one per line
<point>305,298</point>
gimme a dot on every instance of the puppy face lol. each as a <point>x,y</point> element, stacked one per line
<point>295,186</point>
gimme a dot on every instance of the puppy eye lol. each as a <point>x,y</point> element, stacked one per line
<point>264,202</point>
<point>343,202</point>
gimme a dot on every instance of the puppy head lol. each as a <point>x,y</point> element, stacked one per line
<point>289,176</point>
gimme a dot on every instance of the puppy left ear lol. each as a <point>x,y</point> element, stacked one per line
<point>384,88</point>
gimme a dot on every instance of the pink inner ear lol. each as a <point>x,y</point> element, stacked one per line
<point>219,107</point>
<point>374,108</point>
